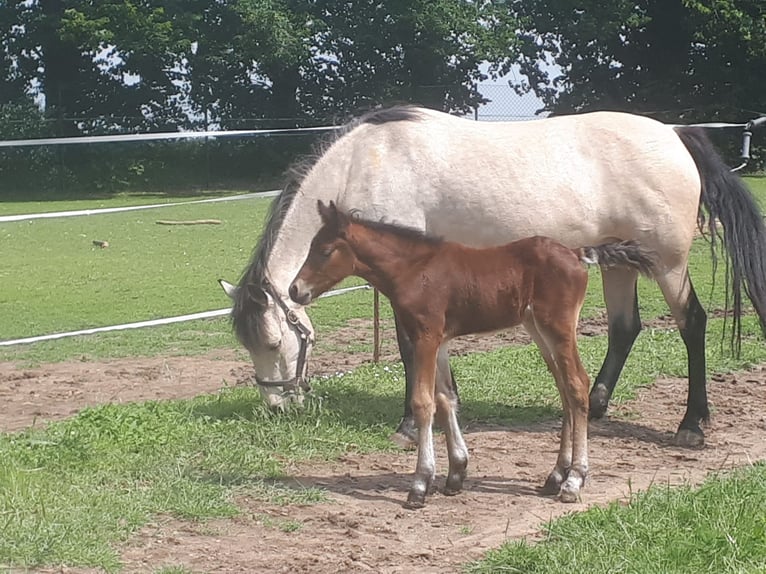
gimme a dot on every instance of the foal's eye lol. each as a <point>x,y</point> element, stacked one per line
<point>327,251</point>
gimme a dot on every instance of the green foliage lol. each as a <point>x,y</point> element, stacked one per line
<point>699,60</point>
<point>122,65</point>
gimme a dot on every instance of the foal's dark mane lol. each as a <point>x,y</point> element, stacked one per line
<point>409,233</point>
<point>246,311</point>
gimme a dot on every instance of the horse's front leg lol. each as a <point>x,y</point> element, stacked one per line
<point>406,435</point>
<point>423,407</point>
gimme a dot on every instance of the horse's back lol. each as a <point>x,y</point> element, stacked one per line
<point>581,179</point>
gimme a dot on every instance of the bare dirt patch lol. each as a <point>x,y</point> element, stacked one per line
<point>365,528</point>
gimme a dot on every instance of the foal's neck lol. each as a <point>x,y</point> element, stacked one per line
<point>385,254</point>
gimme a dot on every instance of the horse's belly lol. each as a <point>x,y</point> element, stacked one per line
<point>495,223</point>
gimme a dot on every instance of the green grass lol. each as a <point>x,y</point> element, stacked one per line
<point>54,279</point>
<point>718,527</point>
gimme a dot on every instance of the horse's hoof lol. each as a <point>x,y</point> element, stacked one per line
<point>552,484</point>
<point>690,438</point>
<point>599,402</point>
<point>454,484</point>
<point>402,441</point>
<point>406,435</point>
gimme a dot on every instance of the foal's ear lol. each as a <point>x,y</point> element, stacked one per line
<point>328,213</point>
<point>331,216</point>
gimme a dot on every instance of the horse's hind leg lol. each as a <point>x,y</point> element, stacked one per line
<point>691,319</point>
<point>446,417</point>
<point>624,326</point>
<point>406,435</point>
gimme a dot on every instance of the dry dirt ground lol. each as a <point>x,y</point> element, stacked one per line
<point>365,527</point>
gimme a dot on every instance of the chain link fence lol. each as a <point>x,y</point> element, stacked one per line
<point>506,105</point>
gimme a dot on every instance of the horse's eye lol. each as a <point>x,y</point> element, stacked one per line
<point>327,251</point>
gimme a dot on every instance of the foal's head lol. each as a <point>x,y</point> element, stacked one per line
<point>330,258</point>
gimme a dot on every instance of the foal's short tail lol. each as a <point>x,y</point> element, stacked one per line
<point>621,254</point>
<point>729,202</point>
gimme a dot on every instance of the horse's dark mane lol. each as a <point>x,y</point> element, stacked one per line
<point>246,311</point>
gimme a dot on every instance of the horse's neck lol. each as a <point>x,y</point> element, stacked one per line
<point>386,255</point>
<point>301,222</point>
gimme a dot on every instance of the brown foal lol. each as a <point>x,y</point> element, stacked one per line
<point>441,290</point>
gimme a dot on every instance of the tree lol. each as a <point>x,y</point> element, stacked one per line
<point>697,59</point>
<point>418,51</point>
<point>92,62</point>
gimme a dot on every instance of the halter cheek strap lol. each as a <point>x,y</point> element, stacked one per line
<point>298,382</point>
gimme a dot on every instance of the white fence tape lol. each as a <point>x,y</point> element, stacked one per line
<point>158,136</point>
<point>53,214</point>
<point>712,125</point>
<point>150,323</point>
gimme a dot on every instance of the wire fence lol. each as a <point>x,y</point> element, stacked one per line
<point>504,104</point>
<point>216,163</point>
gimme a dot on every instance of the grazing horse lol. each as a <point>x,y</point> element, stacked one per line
<point>442,290</point>
<point>583,180</point>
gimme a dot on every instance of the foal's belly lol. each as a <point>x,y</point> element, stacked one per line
<point>471,319</point>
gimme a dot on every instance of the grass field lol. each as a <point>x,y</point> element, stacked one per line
<point>72,492</point>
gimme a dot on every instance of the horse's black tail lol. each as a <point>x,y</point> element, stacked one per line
<point>621,254</point>
<point>728,201</point>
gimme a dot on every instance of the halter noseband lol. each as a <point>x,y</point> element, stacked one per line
<point>304,333</point>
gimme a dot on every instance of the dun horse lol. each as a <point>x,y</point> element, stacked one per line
<point>440,290</point>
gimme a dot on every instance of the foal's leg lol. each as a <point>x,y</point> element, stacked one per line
<point>624,326</point>
<point>557,339</point>
<point>446,417</point>
<point>575,387</point>
<point>691,319</point>
<point>423,407</point>
<point>564,460</point>
<point>406,435</point>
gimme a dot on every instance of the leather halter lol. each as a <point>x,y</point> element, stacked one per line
<point>298,382</point>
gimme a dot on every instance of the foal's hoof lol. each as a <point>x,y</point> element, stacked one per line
<point>406,435</point>
<point>690,438</point>
<point>415,501</point>
<point>599,402</point>
<point>568,494</point>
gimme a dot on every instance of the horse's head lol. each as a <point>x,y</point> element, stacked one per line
<point>330,258</point>
<point>278,337</point>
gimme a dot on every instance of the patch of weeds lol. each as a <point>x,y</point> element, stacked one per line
<point>288,525</point>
